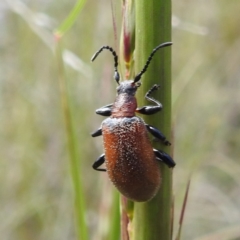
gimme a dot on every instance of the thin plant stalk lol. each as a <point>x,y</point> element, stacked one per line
<point>74,156</point>
<point>70,19</point>
<point>79,206</point>
<point>183,211</point>
<point>114,228</point>
<point>153,219</point>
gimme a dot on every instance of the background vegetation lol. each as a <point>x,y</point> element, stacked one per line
<point>36,191</point>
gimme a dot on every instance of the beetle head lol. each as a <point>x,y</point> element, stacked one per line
<point>128,86</point>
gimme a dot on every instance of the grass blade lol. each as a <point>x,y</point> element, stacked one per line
<point>71,18</point>
<point>79,204</point>
<point>183,211</point>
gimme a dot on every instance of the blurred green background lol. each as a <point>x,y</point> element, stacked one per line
<point>36,196</point>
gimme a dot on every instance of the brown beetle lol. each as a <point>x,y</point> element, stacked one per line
<point>131,161</point>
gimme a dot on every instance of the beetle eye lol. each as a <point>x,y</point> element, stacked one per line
<point>135,85</point>
<point>138,84</point>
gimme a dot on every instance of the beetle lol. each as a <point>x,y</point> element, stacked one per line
<point>131,162</point>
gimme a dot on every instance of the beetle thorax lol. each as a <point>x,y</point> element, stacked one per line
<point>124,106</point>
<point>125,103</point>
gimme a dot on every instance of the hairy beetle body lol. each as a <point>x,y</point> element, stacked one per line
<point>130,161</point>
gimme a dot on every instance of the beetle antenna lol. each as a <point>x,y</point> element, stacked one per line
<point>138,76</point>
<point>116,74</point>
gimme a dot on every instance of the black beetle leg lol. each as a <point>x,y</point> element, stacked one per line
<point>164,157</point>
<point>97,133</point>
<point>105,110</point>
<point>157,134</point>
<point>148,110</point>
<point>98,163</point>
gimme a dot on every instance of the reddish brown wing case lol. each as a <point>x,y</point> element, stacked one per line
<point>130,161</point>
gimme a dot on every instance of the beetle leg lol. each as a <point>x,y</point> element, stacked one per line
<point>105,110</point>
<point>98,163</point>
<point>148,110</point>
<point>157,134</point>
<point>164,157</point>
<point>97,133</point>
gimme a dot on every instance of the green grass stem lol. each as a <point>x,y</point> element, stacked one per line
<point>114,226</point>
<point>152,220</point>
<point>70,19</point>
<point>79,201</point>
